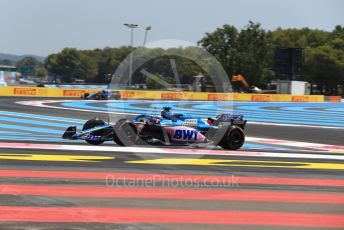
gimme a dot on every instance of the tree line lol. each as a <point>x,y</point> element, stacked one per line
<point>249,51</point>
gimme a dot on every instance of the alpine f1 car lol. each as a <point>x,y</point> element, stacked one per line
<point>102,95</point>
<point>224,130</point>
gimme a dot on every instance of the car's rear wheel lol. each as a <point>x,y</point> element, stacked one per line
<point>126,133</point>
<point>91,124</point>
<point>85,95</point>
<point>233,139</point>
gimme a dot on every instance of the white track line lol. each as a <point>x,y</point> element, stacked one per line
<point>293,125</point>
<point>309,145</point>
<point>42,103</point>
<point>146,150</point>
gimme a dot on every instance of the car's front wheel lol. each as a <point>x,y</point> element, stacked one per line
<point>91,124</point>
<point>126,133</point>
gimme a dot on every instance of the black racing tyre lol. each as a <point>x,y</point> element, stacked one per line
<point>85,95</point>
<point>91,124</point>
<point>233,139</point>
<point>126,133</point>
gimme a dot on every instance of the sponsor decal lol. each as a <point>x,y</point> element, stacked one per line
<point>300,99</point>
<point>262,98</point>
<point>182,134</point>
<point>225,117</point>
<point>128,94</point>
<point>90,137</point>
<point>172,96</point>
<point>140,94</point>
<point>25,91</point>
<point>217,97</point>
<point>334,98</point>
<point>73,93</point>
<point>191,120</point>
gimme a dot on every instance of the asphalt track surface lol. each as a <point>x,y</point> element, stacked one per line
<point>286,177</point>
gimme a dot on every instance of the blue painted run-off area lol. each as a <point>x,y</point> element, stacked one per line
<point>36,127</point>
<point>321,114</point>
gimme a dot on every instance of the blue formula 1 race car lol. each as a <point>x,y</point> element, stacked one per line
<point>224,130</point>
<point>102,95</point>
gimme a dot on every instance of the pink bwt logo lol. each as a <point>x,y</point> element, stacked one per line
<point>185,134</point>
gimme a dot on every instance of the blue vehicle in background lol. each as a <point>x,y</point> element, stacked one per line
<point>103,95</point>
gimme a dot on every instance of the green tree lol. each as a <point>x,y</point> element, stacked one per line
<point>155,84</point>
<point>86,69</point>
<point>168,63</point>
<point>222,44</point>
<point>51,64</point>
<point>338,32</point>
<point>27,65</point>
<point>40,72</point>
<point>64,63</point>
<point>253,53</point>
<point>31,66</point>
<point>107,64</point>
<point>246,52</point>
<point>323,52</point>
<point>298,38</point>
<point>324,65</point>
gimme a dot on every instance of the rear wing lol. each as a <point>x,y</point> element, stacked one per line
<point>233,119</point>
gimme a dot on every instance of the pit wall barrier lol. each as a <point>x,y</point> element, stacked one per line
<point>162,95</point>
<point>43,92</point>
<point>132,94</point>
